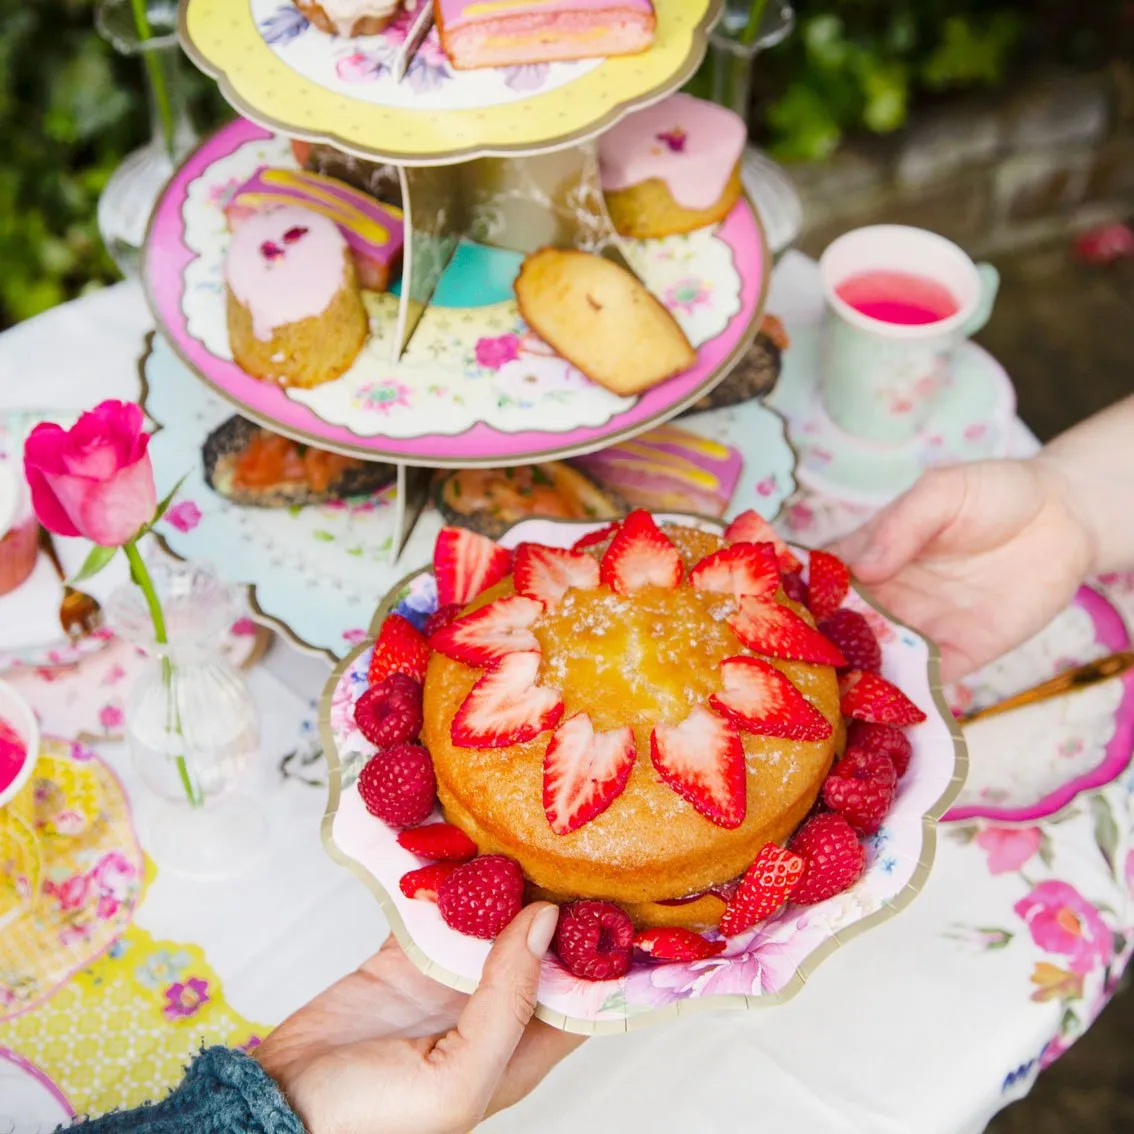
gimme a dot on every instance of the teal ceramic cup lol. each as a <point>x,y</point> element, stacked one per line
<point>880,380</point>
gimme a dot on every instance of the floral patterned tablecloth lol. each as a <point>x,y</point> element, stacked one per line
<point>930,1023</point>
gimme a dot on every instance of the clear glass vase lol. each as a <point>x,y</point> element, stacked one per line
<point>130,195</point>
<point>191,724</point>
<point>725,77</point>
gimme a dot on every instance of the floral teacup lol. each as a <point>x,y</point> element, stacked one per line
<point>880,379</point>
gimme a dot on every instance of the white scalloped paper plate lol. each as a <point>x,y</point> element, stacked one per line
<point>766,965</point>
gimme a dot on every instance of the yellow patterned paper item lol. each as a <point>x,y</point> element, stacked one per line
<point>90,876</point>
<point>122,1030</point>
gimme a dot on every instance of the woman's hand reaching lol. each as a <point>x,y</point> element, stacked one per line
<point>979,557</point>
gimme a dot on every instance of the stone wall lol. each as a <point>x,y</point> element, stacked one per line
<point>1056,156</point>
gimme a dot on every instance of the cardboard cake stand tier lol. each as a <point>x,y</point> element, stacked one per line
<point>451,377</point>
<point>395,97</point>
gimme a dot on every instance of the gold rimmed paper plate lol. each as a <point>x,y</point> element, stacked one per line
<point>764,966</point>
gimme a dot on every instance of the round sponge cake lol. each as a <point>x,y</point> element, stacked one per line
<point>640,660</point>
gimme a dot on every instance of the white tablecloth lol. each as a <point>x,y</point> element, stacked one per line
<point>919,1026</point>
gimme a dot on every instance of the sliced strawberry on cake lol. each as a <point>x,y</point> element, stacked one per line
<point>466,564</point>
<point>702,759</point>
<point>743,569</point>
<point>584,772</point>
<point>751,527</point>
<point>593,539</point>
<point>506,706</point>
<point>673,943</point>
<point>548,573</point>
<point>640,556</point>
<point>486,635</point>
<point>777,632</point>
<point>758,698</point>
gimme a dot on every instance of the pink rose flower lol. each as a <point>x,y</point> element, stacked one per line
<point>494,353</point>
<point>184,516</point>
<point>1062,921</point>
<point>94,480</point>
<point>1008,848</point>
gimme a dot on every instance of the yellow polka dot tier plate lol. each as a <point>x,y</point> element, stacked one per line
<point>281,71</point>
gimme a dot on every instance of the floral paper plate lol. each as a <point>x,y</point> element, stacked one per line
<point>277,69</point>
<point>765,965</point>
<point>1032,763</point>
<point>474,386</point>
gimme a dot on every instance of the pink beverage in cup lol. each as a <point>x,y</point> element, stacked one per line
<point>12,755</point>
<point>900,298</point>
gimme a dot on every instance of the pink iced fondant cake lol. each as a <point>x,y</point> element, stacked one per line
<point>375,232</point>
<point>690,144</point>
<point>504,33</point>
<point>668,469</point>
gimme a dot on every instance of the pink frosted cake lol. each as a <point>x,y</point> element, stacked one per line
<point>295,315</point>
<point>672,167</point>
<point>504,33</point>
<point>375,232</point>
<point>668,470</point>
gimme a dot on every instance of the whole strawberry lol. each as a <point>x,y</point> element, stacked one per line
<point>594,940</point>
<point>882,738</point>
<point>833,858</point>
<point>390,713</point>
<point>481,897</point>
<point>861,789</point>
<point>768,883</point>
<point>399,649</point>
<point>397,785</point>
<point>852,634</point>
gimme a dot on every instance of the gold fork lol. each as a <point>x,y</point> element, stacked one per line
<point>1081,677</point>
<point>79,614</point>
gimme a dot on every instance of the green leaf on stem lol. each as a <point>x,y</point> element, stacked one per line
<point>98,558</point>
<point>165,502</point>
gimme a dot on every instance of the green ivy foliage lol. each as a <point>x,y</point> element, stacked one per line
<point>71,109</point>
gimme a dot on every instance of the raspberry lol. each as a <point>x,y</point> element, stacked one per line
<point>861,788</point>
<point>397,785</point>
<point>832,855</point>
<point>423,884</point>
<point>594,940</point>
<point>852,634</point>
<point>881,738</point>
<point>390,713</point>
<point>441,618</point>
<point>481,897</point>
<point>439,842</point>
<point>794,586</point>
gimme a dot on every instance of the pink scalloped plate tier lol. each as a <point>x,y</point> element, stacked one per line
<point>763,966</point>
<point>1030,764</point>
<point>498,398</point>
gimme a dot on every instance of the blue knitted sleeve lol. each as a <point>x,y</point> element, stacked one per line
<point>223,1092</point>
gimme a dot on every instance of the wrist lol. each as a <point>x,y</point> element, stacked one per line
<point>1065,489</point>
